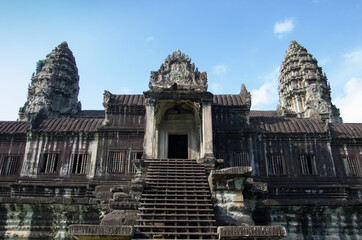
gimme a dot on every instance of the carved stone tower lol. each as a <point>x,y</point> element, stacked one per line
<point>54,87</point>
<point>303,88</point>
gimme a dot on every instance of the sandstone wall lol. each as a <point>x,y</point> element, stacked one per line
<point>36,220</point>
<point>314,222</point>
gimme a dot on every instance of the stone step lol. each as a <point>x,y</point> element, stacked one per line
<point>153,233</point>
<point>176,178</point>
<point>184,166</point>
<point>152,161</point>
<point>178,191</point>
<point>175,215</point>
<point>178,238</point>
<point>170,187</point>
<point>182,228</point>
<point>177,167</point>
<point>188,162</point>
<point>178,204</point>
<point>165,209</point>
<point>175,174</point>
<point>159,200</point>
<point>175,183</point>
<point>174,220</point>
<point>172,194</point>
<point>175,171</point>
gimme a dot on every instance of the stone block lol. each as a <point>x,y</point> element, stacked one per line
<point>103,188</point>
<point>106,196</point>
<point>119,196</point>
<point>101,232</point>
<point>251,232</point>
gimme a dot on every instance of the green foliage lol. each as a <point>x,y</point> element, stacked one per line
<point>39,65</point>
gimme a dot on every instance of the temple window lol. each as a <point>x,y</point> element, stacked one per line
<point>219,154</point>
<point>115,162</point>
<point>241,159</point>
<point>133,156</point>
<point>9,165</point>
<point>79,163</point>
<point>352,166</point>
<point>276,165</point>
<point>49,163</point>
<point>307,164</point>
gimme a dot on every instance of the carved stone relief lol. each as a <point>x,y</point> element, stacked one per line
<point>177,73</point>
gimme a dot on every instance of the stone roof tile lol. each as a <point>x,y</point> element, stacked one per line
<point>13,127</point>
<point>138,99</point>
<point>90,114</point>
<point>258,113</point>
<point>346,130</point>
<point>70,125</point>
<point>287,125</point>
<point>228,100</point>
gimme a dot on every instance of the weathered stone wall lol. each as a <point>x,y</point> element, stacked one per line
<point>63,144</point>
<point>12,147</point>
<point>340,152</point>
<point>291,150</point>
<point>324,204</point>
<point>126,141</point>
<point>43,220</point>
<point>233,147</point>
<point>313,221</point>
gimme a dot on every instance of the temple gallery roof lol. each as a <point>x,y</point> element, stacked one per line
<point>53,125</point>
<point>138,100</point>
<point>287,125</point>
<point>346,130</point>
<point>70,125</point>
<point>13,127</point>
<point>261,121</point>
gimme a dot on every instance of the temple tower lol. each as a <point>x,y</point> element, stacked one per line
<point>54,87</point>
<point>303,88</point>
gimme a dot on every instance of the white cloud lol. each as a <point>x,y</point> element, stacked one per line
<point>348,68</point>
<point>281,28</point>
<point>220,69</point>
<point>266,96</point>
<point>149,39</point>
<point>216,88</point>
<point>126,91</point>
<point>323,62</point>
<point>354,57</point>
<point>350,102</point>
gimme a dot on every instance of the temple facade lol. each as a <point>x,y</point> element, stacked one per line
<point>296,169</point>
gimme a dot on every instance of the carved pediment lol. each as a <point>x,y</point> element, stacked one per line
<point>177,73</point>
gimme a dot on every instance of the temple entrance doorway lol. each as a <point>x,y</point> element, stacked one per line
<point>177,146</point>
<point>178,129</point>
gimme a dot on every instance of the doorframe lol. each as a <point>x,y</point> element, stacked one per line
<point>179,132</point>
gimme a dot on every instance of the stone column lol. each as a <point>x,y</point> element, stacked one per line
<point>150,130</point>
<point>207,145</point>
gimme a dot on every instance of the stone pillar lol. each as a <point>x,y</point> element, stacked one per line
<point>207,145</point>
<point>149,148</point>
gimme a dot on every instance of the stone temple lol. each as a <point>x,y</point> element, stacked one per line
<point>178,162</point>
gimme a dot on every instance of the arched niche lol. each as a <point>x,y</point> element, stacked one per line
<point>178,129</point>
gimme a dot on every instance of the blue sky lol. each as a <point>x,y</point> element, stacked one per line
<point>117,43</point>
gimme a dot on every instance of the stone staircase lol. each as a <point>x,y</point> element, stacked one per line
<point>176,202</point>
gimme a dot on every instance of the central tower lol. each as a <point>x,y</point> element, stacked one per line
<point>178,111</point>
